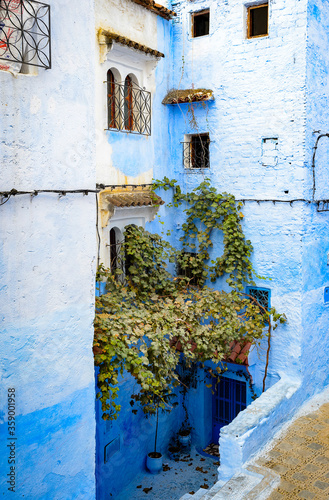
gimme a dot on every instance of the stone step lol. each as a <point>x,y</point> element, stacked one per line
<point>202,493</point>
<point>254,483</point>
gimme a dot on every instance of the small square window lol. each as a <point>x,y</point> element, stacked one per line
<point>196,151</point>
<point>200,23</point>
<point>262,295</point>
<point>257,21</point>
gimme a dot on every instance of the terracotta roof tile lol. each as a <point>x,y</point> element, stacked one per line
<point>127,197</point>
<point>135,199</point>
<point>239,351</point>
<point>116,37</point>
<point>176,96</point>
<point>158,9</point>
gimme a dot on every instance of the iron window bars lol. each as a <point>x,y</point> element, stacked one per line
<point>25,32</point>
<point>129,107</point>
<point>117,261</point>
<point>262,295</point>
<point>196,152</point>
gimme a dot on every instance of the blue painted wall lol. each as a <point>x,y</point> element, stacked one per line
<point>270,87</point>
<point>134,435</point>
<point>47,266</point>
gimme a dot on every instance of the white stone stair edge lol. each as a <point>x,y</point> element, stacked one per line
<point>252,483</point>
<point>202,492</point>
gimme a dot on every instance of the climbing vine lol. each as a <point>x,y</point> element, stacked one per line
<point>208,211</point>
<point>152,315</point>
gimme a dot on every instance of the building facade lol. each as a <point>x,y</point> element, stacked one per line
<point>244,104</point>
<point>260,70</point>
<point>232,91</point>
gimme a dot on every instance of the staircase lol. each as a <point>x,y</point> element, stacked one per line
<point>253,483</point>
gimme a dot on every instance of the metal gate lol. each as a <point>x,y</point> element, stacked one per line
<point>229,398</point>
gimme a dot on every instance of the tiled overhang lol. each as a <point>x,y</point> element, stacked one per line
<point>138,199</point>
<point>119,197</point>
<point>158,9</point>
<point>105,36</point>
<point>176,96</point>
<point>238,355</point>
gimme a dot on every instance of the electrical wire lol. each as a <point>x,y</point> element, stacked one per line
<point>101,187</point>
<point>313,159</point>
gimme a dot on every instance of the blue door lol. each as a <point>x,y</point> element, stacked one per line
<point>229,398</point>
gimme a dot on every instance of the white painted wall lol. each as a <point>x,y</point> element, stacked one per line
<point>48,263</point>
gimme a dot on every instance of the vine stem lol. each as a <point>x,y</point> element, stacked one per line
<point>156,430</point>
<point>268,338</point>
<point>267,353</point>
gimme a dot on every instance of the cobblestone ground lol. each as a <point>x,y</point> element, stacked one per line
<point>187,474</point>
<point>301,458</point>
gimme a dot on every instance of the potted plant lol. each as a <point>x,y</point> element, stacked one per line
<point>152,402</point>
<point>154,459</point>
<point>187,377</point>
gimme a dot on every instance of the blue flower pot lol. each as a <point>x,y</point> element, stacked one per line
<point>184,439</point>
<point>154,464</point>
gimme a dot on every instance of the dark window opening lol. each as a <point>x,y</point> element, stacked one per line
<point>258,20</point>
<point>112,122</point>
<point>190,265</point>
<point>200,23</point>
<point>129,259</point>
<point>128,104</point>
<point>196,152</point>
<point>116,260</point>
<point>262,295</point>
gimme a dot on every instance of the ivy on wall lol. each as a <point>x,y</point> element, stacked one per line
<point>150,317</point>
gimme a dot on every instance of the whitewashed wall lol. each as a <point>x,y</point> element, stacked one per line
<point>47,264</point>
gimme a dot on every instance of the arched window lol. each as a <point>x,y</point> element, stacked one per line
<point>128,104</point>
<point>111,106</point>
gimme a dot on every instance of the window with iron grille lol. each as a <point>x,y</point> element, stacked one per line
<point>196,152</point>
<point>24,34</point>
<point>120,260</point>
<point>117,264</point>
<point>129,106</point>
<point>262,295</point>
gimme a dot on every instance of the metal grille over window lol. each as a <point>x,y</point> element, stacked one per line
<point>229,398</point>
<point>261,295</point>
<point>25,33</point>
<point>117,263</point>
<point>129,107</point>
<point>196,152</point>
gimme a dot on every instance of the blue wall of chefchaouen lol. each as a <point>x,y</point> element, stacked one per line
<point>268,112</point>
<point>270,97</point>
<point>47,268</point>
